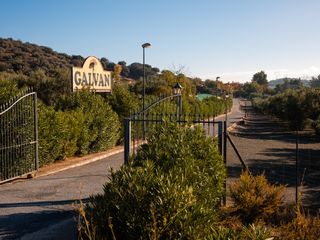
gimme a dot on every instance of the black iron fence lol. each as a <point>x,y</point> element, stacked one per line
<point>18,136</point>
<point>168,108</point>
<point>140,126</point>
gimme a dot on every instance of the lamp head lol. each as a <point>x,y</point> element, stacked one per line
<point>146,45</point>
<point>177,89</point>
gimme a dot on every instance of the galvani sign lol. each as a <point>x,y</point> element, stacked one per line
<point>91,76</point>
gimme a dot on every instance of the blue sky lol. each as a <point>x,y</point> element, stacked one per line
<point>232,39</point>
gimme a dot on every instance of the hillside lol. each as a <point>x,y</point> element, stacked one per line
<point>274,83</point>
<point>25,58</point>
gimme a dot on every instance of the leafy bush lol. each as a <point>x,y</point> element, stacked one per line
<point>294,106</point>
<point>8,87</point>
<point>170,191</point>
<point>86,125</point>
<point>255,198</point>
<point>316,125</point>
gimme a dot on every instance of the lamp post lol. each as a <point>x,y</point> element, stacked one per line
<point>177,90</point>
<point>226,106</point>
<point>144,46</point>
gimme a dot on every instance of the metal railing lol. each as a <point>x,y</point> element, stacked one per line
<point>135,135</point>
<point>18,136</point>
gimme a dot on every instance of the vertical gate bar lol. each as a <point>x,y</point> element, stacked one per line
<point>14,158</point>
<point>225,159</point>
<point>209,122</point>
<point>133,136</point>
<point>225,142</point>
<point>35,130</point>
<point>20,134</point>
<point>220,136</point>
<point>10,144</point>
<point>127,134</point>
<point>5,144</point>
<point>1,143</point>
<point>23,156</point>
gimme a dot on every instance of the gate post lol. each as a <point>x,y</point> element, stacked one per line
<point>225,142</point>
<point>127,139</point>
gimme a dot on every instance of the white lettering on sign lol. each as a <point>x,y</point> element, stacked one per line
<point>91,76</point>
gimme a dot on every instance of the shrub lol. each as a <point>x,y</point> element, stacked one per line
<point>171,190</point>
<point>254,198</point>
<point>316,125</point>
<point>59,133</point>
<point>294,106</point>
<point>86,124</point>
<point>8,86</point>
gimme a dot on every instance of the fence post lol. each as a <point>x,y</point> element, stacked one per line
<point>225,160</point>
<point>220,137</point>
<point>127,139</point>
<point>35,119</point>
<point>225,143</point>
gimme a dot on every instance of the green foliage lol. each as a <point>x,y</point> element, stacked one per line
<point>224,233</point>
<point>49,89</point>
<point>256,232</point>
<point>25,58</point>
<point>170,191</point>
<point>255,198</point>
<point>294,106</point>
<point>315,82</point>
<point>123,102</point>
<point>251,232</point>
<point>8,86</point>
<point>316,126</point>
<point>86,124</point>
<point>289,83</point>
<point>260,78</point>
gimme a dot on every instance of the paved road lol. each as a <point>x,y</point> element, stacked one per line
<point>31,205</point>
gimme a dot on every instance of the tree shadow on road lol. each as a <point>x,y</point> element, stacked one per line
<point>14,226</point>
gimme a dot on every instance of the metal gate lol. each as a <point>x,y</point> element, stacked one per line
<point>18,136</point>
<point>140,125</point>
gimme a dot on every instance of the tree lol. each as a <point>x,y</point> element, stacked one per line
<point>315,82</point>
<point>289,83</point>
<point>116,72</point>
<point>260,78</point>
<point>125,70</point>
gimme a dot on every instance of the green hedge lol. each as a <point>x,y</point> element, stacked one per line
<point>86,125</point>
<point>294,106</point>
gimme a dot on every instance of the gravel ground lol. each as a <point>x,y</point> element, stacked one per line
<point>268,146</point>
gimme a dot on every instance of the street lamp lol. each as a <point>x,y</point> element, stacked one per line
<point>144,46</point>
<point>177,90</point>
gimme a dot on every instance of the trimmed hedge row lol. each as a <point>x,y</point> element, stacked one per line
<point>86,125</point>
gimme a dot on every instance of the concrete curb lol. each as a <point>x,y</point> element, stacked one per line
<point>233,126</point>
